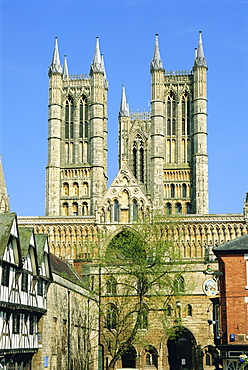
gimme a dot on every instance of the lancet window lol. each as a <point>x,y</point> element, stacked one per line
<point>116,210</point>
<point>179,285</point>
<point>135,210</point>
<point>171,115</point>
<point>138,162</point>
<point>185,115</point>
<point>83,116</point>
<point>69,118</point>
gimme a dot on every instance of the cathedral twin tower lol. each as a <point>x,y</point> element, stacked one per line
<point>163,162</point>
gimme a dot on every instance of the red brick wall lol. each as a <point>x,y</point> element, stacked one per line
<point>233,297</point>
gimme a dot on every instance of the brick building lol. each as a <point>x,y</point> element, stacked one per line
<point>231,324</point>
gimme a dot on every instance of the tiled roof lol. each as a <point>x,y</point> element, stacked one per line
<point>40,246</point>
<point>6,220</point>
<point>64,269</point>
<point>25,234</point>
<point>238,245</point>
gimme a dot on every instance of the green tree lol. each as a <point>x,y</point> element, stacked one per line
<point>140,270</point>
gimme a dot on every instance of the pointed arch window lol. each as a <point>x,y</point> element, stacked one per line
<point>171,114</point>
<point>185,114</point>
<point>188,116</point>
<point>135,210</point>
<point>116,210</point>
<point>141,163</point>
<point>135,160</point>
<point>83,118</point>
<point>138,158</point>
<point>69,118</point>
<point>111,316</point>
<point>179,284</point>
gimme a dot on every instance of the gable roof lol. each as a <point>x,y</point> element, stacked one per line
<point>43,255</point>
<point>125,180</point>
<point>6,222</point>
<point>236,246</point>
<point>41,240</point>
<point>64,269</point>
<point>25,239</point>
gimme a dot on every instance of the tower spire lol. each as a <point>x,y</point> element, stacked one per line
<point>124,109</point>
<point>4,198</point>
<point>96,65</point>
<point>55,66</point>
<point>156,62</point>
<point>65,69</point>
<point>200,58</point>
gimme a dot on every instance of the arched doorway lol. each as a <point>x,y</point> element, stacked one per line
<point>129,358</point>
<point>181,350</point>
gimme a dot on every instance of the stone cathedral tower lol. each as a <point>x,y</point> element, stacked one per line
<point>163,152</point>
<point>166,149</point>
<point>77,138</point>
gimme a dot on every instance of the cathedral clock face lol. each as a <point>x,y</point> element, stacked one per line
<point>210,287</point>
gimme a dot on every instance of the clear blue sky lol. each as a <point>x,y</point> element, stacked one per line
<point>126,29</point>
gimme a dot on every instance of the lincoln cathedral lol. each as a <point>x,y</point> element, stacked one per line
<point>163,171</point>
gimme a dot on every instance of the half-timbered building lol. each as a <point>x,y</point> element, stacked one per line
<point>24,281</point>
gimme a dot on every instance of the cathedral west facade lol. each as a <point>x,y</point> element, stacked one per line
<point>163,169</point>
<point>165,150</point>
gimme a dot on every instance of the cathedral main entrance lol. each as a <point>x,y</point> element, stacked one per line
<point>181,350</point>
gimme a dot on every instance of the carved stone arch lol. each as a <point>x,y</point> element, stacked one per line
<point>171,93</point>
<point>137,135</point>
<point>69,95</point>
<point>125,179</point>
<point>104,230</point>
